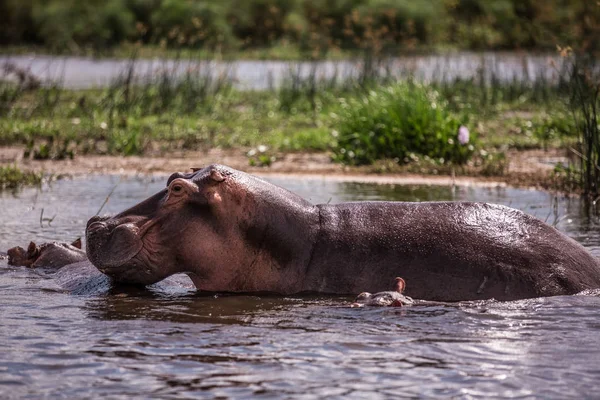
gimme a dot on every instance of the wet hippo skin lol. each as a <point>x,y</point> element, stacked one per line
<point>69,267</point>
<point>230,231</point>
<point>50,255</point>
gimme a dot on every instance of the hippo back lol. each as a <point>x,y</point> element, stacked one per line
<point>447,251</point>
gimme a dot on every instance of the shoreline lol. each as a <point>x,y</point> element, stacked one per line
<point>527,169</point>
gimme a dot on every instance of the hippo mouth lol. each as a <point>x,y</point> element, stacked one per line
<point>115,248</point>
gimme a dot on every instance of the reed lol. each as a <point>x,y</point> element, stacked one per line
<point>584,100</point>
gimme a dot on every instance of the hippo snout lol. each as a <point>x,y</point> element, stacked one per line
<point>111,244</point>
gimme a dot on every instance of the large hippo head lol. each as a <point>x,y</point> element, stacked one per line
<point>227,230</point>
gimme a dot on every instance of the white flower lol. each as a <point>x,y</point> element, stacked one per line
<point>463,135</point>
<point>262,148</point>
<point>76,121</point>
<point>103,125</point>
<point>251,153</point>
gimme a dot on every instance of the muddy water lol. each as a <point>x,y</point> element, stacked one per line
<point>179,344</point>
<point>82,72</point>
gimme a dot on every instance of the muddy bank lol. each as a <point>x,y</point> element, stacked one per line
<point>532,168</point>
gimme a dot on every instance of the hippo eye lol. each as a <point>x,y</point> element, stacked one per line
<point>177,189</point>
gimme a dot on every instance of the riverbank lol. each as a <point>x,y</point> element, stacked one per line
<point>525,169</point>
<point>171,123</point>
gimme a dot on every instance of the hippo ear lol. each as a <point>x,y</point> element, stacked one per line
<point>32,247</point>
<point>216,176</point>
<point>77,243</point>
<point>32,250</point>
<point>400,285</point>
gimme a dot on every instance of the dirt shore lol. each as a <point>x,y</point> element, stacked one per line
<point>530,168</point>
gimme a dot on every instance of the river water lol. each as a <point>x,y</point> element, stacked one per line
<point>85,72</point>
<point>180,344</point>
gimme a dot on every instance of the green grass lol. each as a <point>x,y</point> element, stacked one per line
<point>233,119</point>
<point>542,128</point>
<point>400,121</point>
<point>11,177</point>
<point>198,113</point>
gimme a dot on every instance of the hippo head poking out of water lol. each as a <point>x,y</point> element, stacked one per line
<point>208,224</point>
<point>50,255</point>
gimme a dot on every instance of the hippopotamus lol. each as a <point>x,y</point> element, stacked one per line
<point>51,255</point>
<point>69,267</point>
<point>390,298</point>
<point>233,232</point>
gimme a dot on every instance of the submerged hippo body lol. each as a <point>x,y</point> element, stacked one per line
<point>71,270</point>
<point>50,255</point>
<point>230,231</point>
<point>68,264</point>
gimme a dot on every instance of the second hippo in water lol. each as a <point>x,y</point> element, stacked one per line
<point>68,266</point>
<point>392,298</point>
<point>49,255</point>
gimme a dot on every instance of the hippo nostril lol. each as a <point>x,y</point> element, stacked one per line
<point>95,218</point>
<point>95,226</point>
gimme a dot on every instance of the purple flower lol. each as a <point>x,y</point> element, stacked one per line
<point>463,135</point>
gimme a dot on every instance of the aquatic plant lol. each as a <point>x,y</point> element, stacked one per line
<point>12,177</point>
<point>584,85</point>
<point>399,122</point>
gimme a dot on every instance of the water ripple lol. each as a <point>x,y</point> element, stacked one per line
<point>177,344</point>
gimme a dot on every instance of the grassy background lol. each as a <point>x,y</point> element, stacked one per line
<point>392,123</point>
<point>388,117</point>
<point>373,118</point>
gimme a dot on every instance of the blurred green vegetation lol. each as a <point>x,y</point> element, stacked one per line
<point>315,28</point>
<point>11,177</point>
<point>399,122</point>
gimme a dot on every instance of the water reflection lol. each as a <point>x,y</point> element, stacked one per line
<point>191,306</point>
